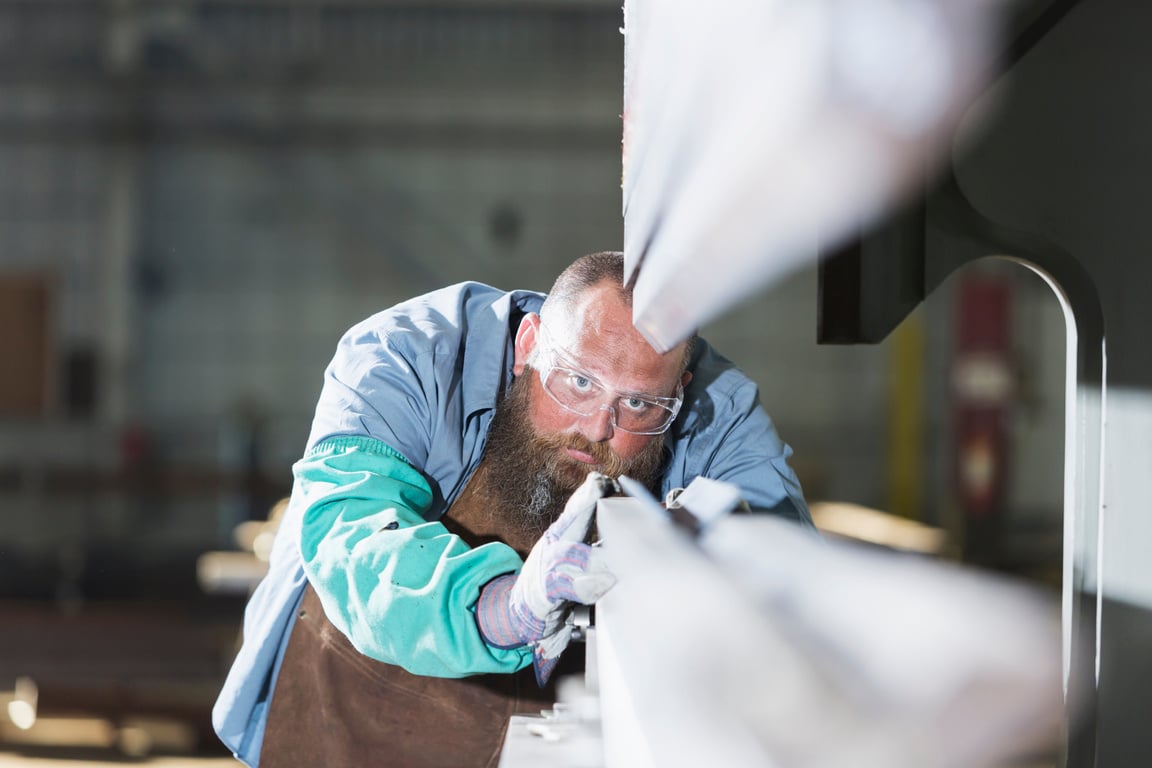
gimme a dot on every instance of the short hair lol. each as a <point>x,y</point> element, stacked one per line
<point>592,270</point>
<point>584,273</point>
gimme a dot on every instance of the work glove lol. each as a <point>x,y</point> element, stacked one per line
<point>529,608</point>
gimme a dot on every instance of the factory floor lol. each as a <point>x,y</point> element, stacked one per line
<point>113,682</point>
<point>56,758</point>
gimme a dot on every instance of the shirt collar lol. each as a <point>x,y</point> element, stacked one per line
<point>489,349</point>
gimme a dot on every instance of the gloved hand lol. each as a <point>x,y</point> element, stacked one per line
<point>529,608</point>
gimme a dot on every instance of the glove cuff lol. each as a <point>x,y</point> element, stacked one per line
<point>498,625</point>
<point>504,622</point>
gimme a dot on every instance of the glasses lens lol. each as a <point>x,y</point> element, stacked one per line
<point>581,394</point>
<point>636,414</point>
<point>574,390</point>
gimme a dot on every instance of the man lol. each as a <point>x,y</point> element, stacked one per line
<point>455,433</point>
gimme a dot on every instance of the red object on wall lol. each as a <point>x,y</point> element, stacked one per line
<point>983,386</point>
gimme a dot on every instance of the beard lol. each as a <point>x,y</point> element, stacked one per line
<point>529,477</point>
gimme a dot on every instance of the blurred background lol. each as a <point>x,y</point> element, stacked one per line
<point>197,197</point>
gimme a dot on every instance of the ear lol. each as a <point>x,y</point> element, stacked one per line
<point>685,378</point>
<point>526,337</point>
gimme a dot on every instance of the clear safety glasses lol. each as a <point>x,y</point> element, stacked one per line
<point>584,394</point>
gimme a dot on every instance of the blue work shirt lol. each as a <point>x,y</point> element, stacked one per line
<point>423,379</point>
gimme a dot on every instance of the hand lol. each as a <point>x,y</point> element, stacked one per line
<point>529,608</point>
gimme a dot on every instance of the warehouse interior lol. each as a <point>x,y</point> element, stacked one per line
<point>198,197</point>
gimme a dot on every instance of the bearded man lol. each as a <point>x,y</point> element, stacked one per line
<point>435,537</point>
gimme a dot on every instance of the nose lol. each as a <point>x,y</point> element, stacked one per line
<point>597,426</point>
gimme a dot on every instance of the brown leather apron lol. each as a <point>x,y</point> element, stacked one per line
<point>335,707</point>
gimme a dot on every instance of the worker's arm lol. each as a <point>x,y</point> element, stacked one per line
<point>402,589</point>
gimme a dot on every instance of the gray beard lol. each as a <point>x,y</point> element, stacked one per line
<point>528,478</point>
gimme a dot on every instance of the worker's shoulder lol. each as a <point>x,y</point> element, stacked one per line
<point>714,372</point>
<point>458,304</point>
<point>467,309</point>
<point>447,304</point>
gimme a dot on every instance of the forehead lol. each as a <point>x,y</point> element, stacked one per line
<point>598,336</point>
